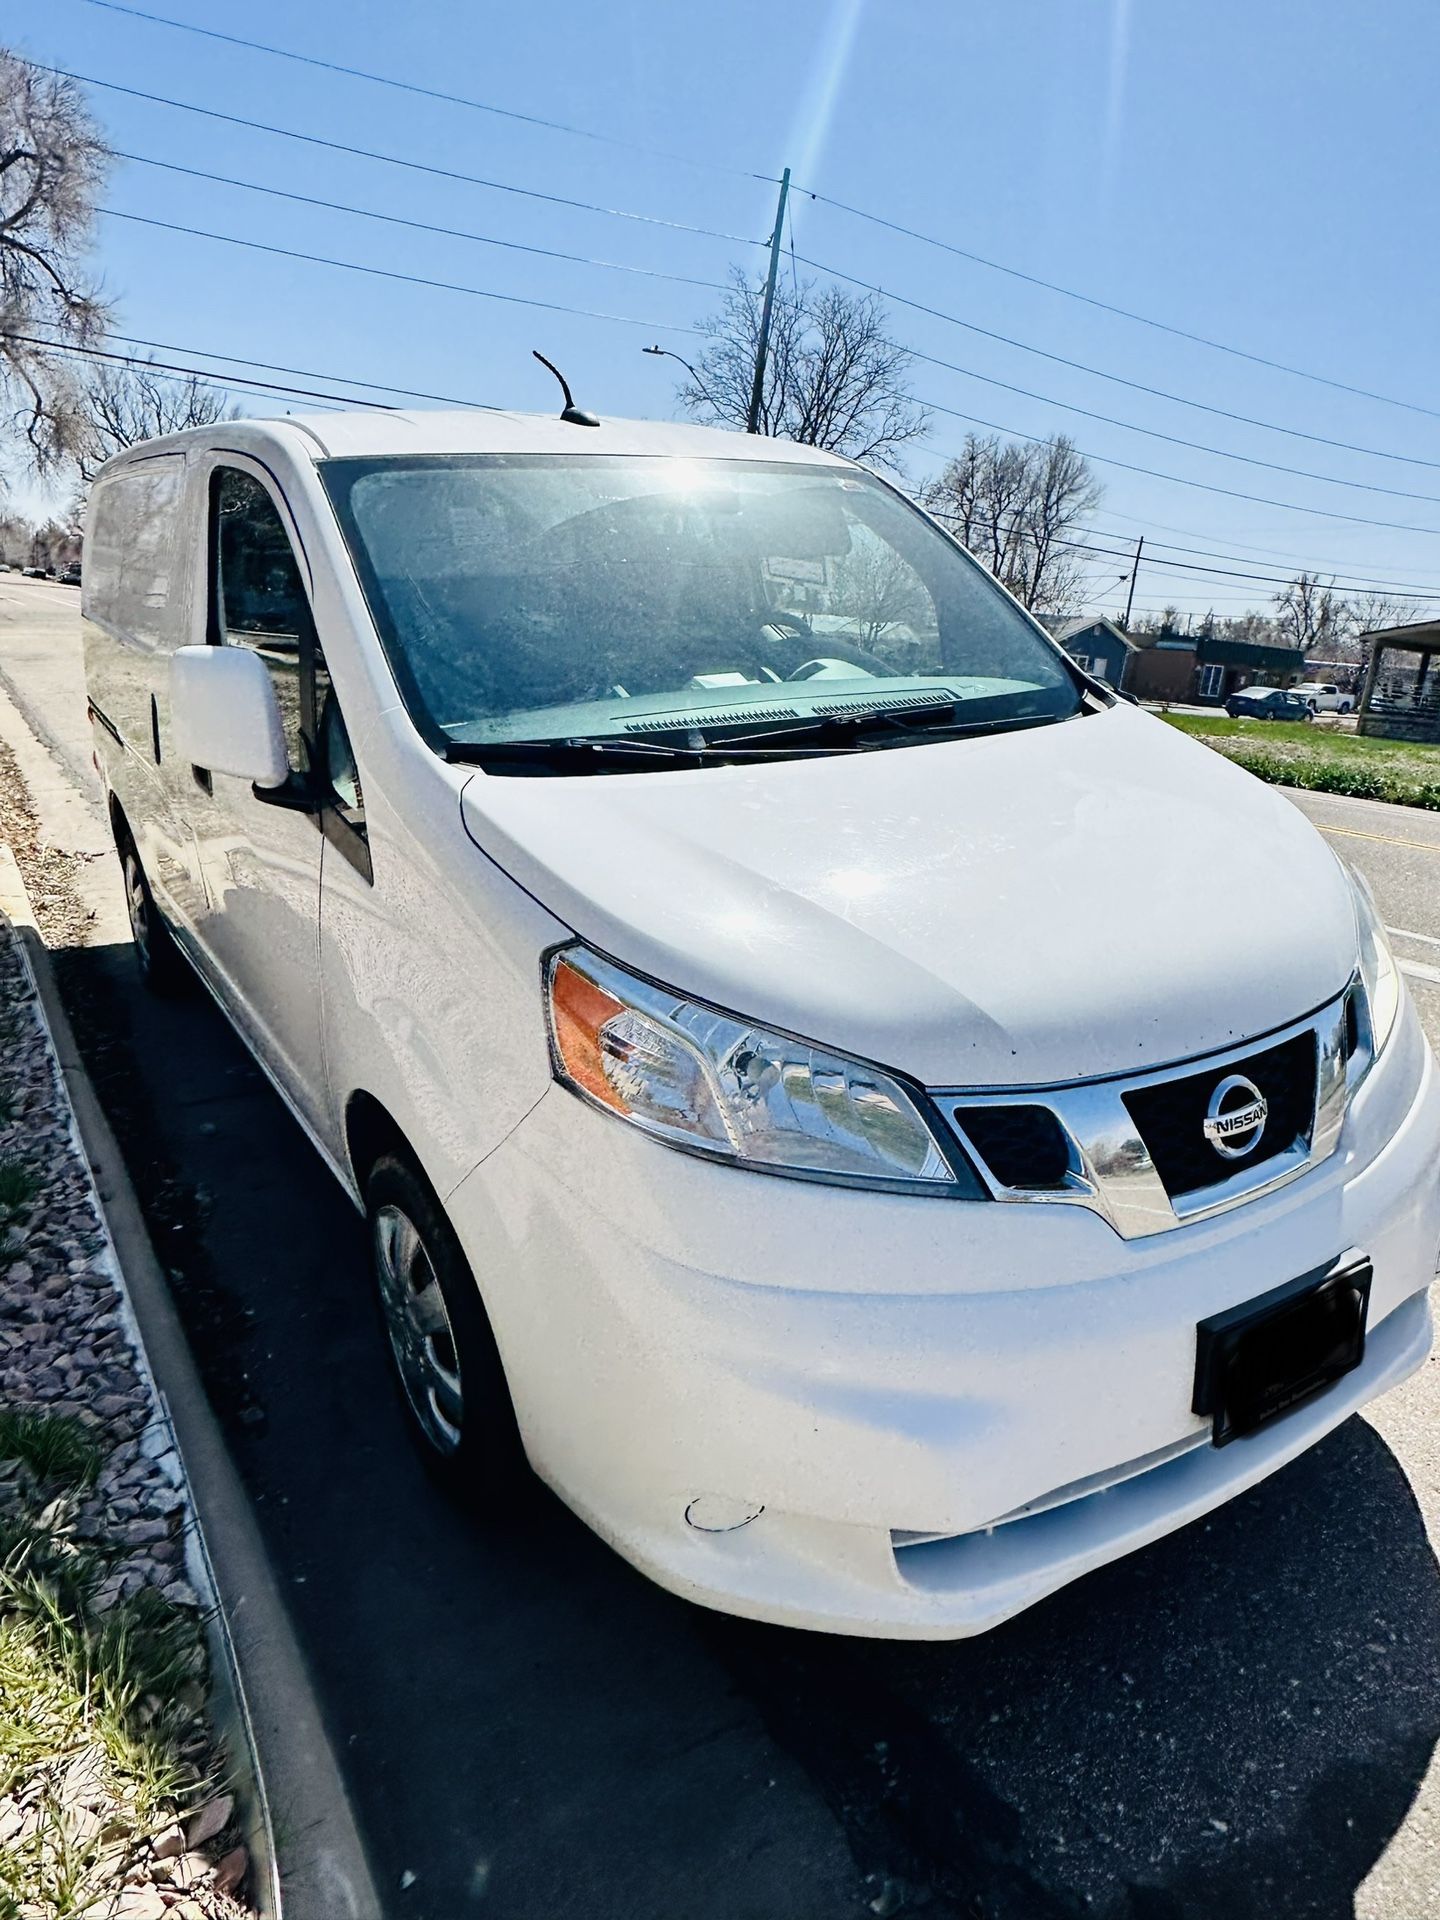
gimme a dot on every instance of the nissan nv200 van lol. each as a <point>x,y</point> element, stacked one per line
<point>878,1122</point>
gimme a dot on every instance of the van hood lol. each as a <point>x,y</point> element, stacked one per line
<point>1095,897</point>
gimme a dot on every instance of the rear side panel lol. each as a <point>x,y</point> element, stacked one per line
<point>135,612</point>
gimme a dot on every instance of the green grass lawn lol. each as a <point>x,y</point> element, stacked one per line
<point>1322,758</point>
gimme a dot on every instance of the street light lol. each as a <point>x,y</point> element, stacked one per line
<point>700,385</point>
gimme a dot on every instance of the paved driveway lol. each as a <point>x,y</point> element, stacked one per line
<point>1237,1721</point>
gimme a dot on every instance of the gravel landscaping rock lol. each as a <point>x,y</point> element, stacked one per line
<point>92,1491</point>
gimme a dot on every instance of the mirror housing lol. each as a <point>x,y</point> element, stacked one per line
<point>224,716</point>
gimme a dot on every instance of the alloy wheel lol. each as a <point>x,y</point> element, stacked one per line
<point>137,904</point>
<point>418,1323</point>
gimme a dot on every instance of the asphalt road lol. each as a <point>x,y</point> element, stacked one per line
<point>1240,1720</point>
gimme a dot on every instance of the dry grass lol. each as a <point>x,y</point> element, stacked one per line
<point>116,1693</point>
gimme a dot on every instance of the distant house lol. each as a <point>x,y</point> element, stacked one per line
<point>1098,646</point>
<point>1223,667</point>
<point>1205,669</point>
<point>1163,667</point>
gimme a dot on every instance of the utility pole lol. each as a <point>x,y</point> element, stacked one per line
<point>762,345</point>
<point>1134,572</point>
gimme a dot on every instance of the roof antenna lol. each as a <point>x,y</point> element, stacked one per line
<point>572,415</point>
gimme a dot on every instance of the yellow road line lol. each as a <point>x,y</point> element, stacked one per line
<point>1385,839</point>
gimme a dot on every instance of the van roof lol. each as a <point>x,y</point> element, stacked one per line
<point>479,430</point>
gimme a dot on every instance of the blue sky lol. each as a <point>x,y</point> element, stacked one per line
<point>1261,174</point>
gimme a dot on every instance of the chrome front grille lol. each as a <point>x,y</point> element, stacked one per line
<point>1134,1148</point>
<point>1170,1115</point>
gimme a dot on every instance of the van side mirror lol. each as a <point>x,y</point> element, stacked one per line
<point>224,715</point>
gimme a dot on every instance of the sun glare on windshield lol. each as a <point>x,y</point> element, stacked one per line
<point>564,598</point>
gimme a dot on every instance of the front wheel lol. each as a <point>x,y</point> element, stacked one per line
<point>447,1365</point>
<point>162,966</point>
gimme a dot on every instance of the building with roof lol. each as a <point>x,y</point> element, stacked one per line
<point>1097,645</point>
<point>1206,669</point>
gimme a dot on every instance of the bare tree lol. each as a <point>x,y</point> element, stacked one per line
<point>57,544</point>
<point>1169,622</point>
<point>16,535</point>
<point>1064,493</point>
<point>1015,505</point>
<point>1372,612</point>
<point>1252,626</point>
<point>52,161</point>
<point>833,376</point>
<point>981,496</point>
<point>121,403</point>
<point>1310,614</point>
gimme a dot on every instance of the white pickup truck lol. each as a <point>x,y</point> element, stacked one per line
<point>1325,697</point>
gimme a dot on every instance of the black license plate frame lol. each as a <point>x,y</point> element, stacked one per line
<point>1256,1361</point>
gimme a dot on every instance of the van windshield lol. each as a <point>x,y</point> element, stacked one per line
<point>596,600</point>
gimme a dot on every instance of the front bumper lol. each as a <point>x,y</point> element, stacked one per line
<point>867,1366</point>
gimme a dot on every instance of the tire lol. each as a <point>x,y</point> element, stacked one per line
<point>447,1367</point>
<point>162,965</point>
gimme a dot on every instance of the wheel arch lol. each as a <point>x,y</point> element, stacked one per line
<point>119,824</point>
<point>371,1131</point>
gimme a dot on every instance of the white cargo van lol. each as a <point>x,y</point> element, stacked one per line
<point>882,1124</point>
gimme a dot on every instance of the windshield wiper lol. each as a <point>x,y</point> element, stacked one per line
<point>932,721</point>
<point>579,753</point>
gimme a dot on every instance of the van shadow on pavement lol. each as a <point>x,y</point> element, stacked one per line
<point>1234,1721</point>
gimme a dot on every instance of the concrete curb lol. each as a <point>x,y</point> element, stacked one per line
<point>266,1708</point>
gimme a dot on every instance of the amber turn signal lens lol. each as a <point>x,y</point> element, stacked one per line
<point>578,1010</point>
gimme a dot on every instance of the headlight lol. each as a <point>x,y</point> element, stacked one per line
<point>722,1087</point>
<point>1378,971</point>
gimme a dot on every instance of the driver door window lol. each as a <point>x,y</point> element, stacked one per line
<point>258,600</point>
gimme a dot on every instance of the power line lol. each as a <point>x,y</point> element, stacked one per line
<point>915,305</point>
<point>391,273</point>
<point>1174,439</point>
<point>1349,583</point>
<point>304,373</point>
<point>165,370</point>
<point>1100,373</point>
<point>397,160</point>
<point>1126,313</point>
<point>1203,486</point>
<point>432,93</point>
<point>1190,566</point>
<point>1164,566</point>
<point>894,226</point>
<point>420,226</point>
<point>1249,555</point>
<point>713,286</point>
